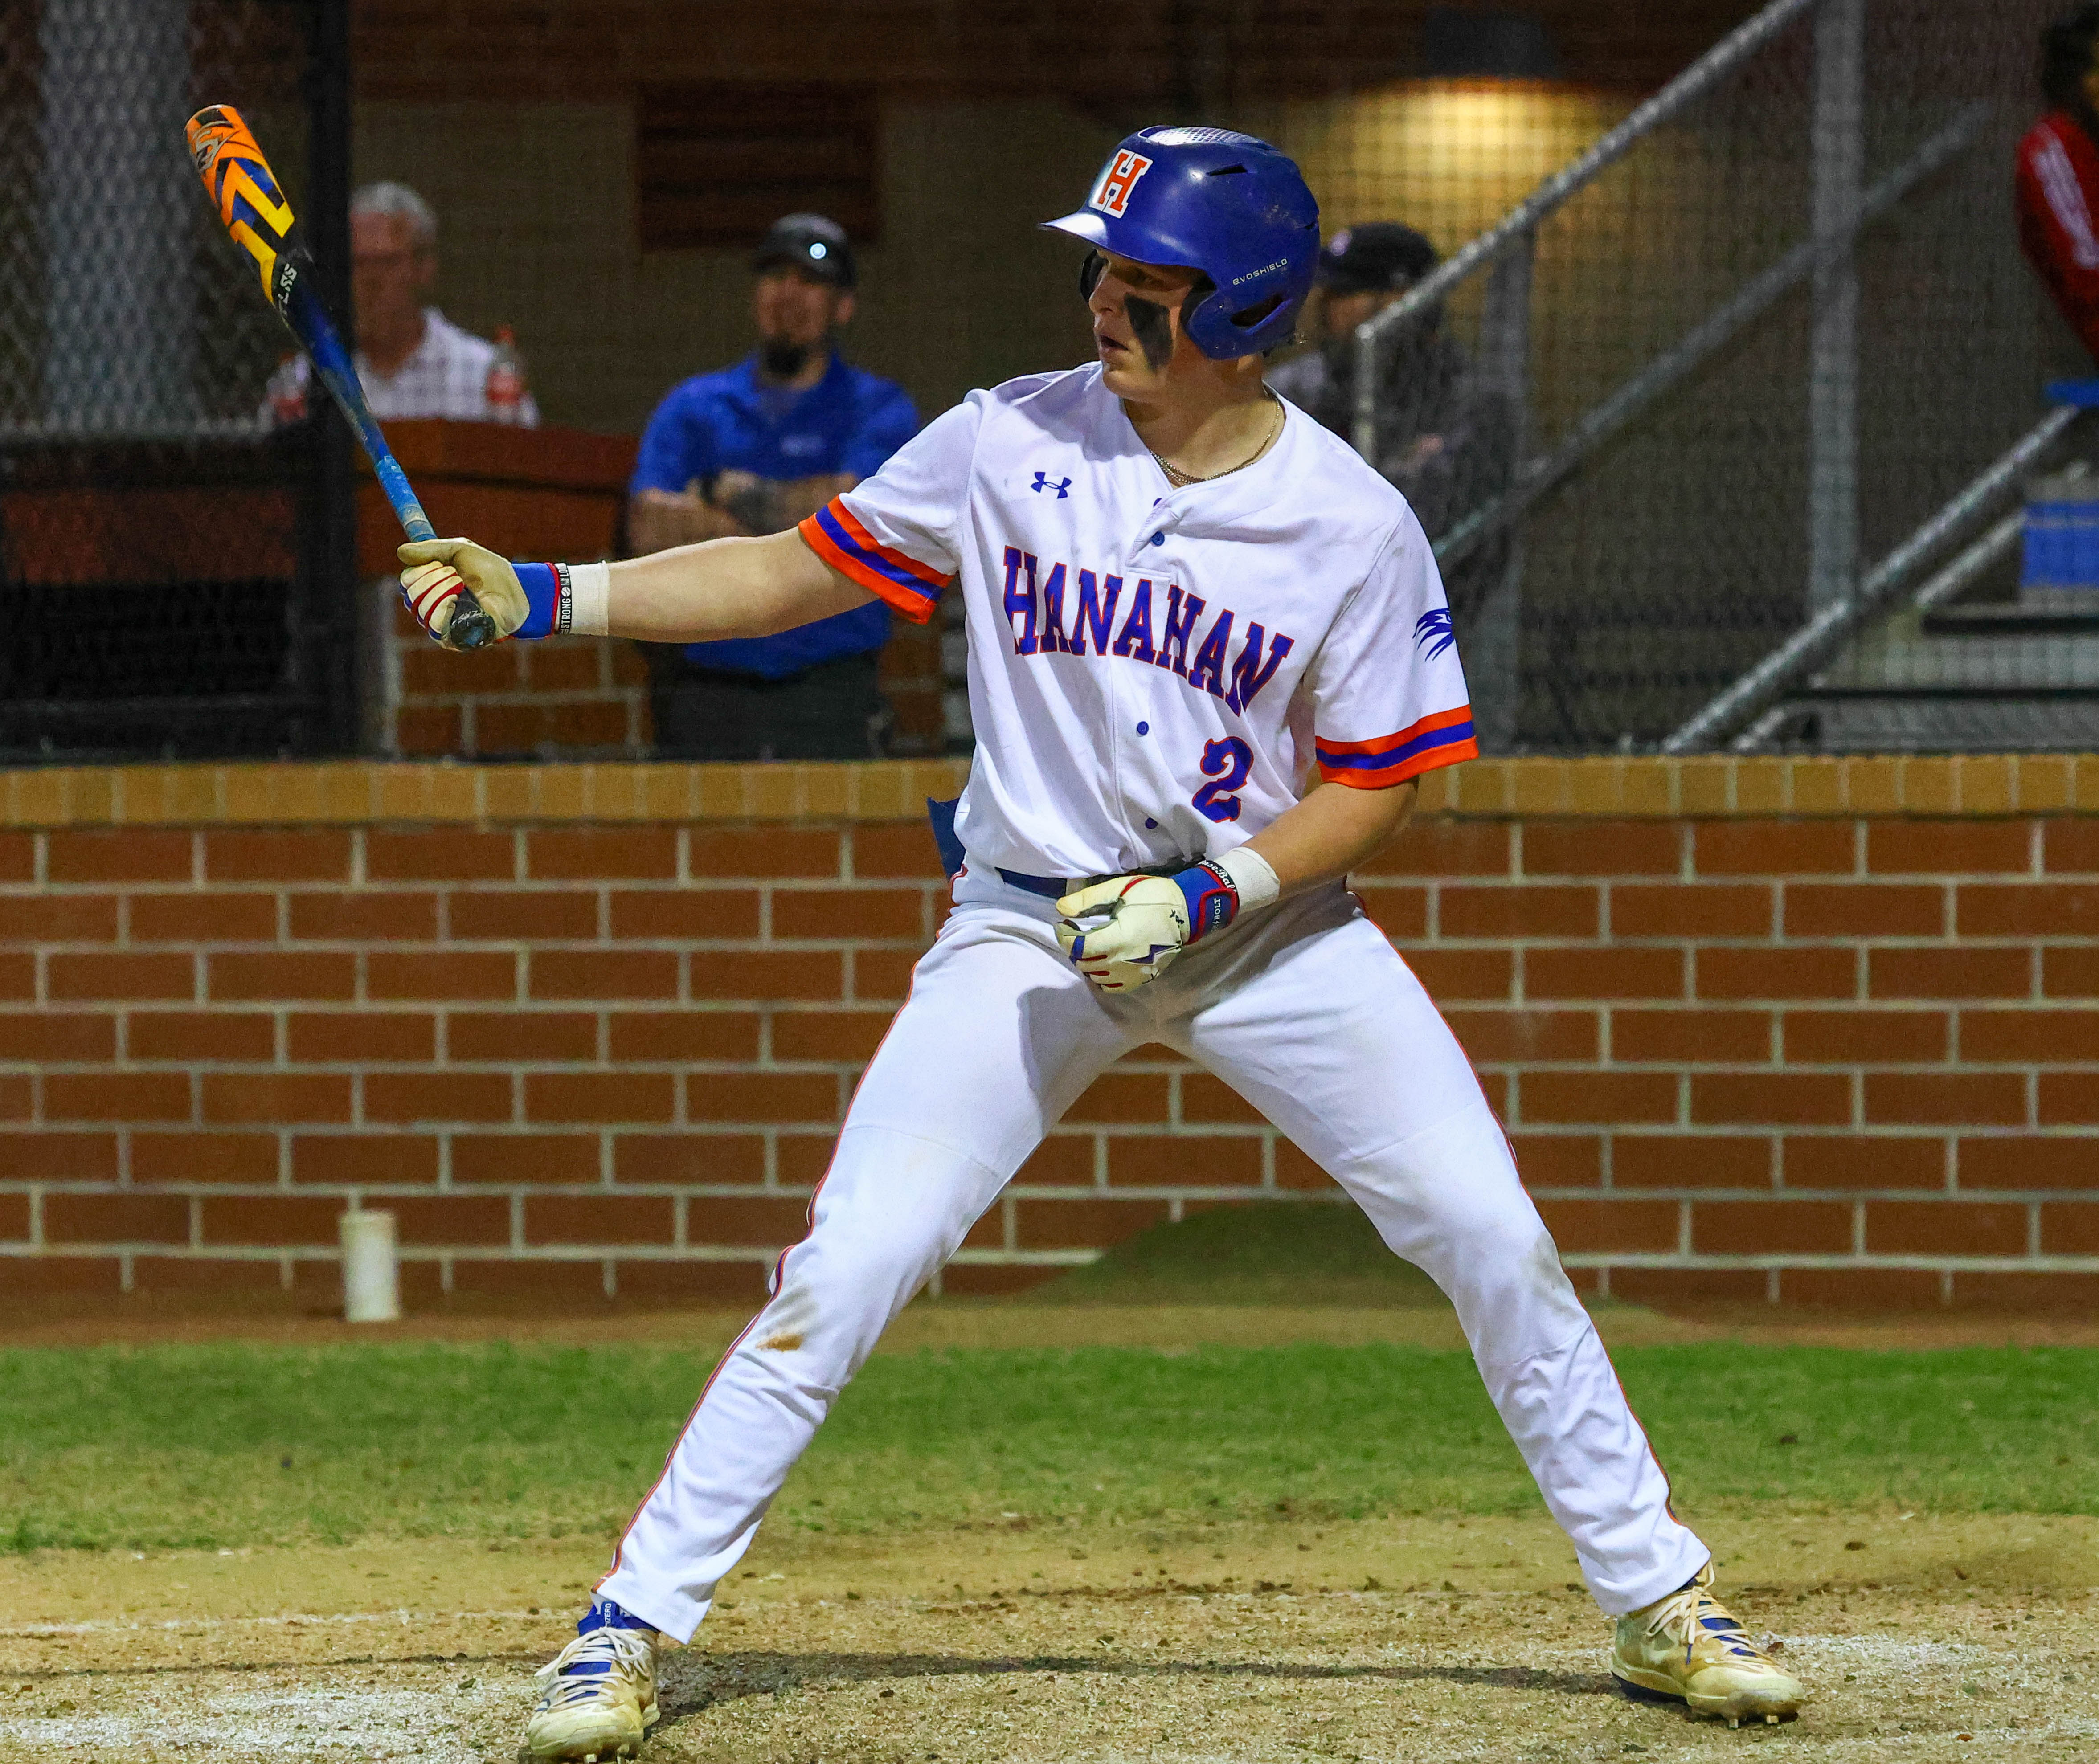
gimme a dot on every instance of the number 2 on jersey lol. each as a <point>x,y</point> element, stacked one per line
<point>1227,762</point>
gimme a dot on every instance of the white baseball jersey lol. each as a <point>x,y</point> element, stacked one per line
<point>1156,674</point>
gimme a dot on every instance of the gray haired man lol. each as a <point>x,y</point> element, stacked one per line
<point>413,360</point>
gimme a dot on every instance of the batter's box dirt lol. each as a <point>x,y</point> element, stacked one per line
<point>1967,1638</point>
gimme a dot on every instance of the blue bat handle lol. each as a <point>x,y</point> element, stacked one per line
<point>470,627</point>
<point>394,482</point>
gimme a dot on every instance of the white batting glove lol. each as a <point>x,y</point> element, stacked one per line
<point>435,569</point>
<point>1126,931</point>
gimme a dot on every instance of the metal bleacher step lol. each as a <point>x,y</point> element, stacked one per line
<point>1906,723</point>
<point>1958,678</point>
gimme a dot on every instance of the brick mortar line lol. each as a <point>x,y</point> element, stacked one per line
<point>711,1128</point>
<point>518,1119</point>
<point>99,1188</point>
<point>126,940</point>
<point>279,944</point>
<point>132,888</point>
<point>278,1066</point>
<point>761,1255</point>
<point>2081,1004</point>
<point>981,1257</point>
<point>1716,788</point>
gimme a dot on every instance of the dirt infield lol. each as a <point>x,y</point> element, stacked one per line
<point>1924,1639</point>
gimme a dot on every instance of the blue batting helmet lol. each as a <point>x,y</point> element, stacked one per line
<point>1220,202</point>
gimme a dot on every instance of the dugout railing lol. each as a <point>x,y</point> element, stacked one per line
<point>1772,325</point>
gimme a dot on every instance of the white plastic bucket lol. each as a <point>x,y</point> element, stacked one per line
<point>371,1269</point>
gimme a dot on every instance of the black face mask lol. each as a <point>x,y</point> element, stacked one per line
<point>779,360</point>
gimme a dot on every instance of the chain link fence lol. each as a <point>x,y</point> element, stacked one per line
<point>1685,400</point>
<point>171,573</point>
<point>1689,395</point>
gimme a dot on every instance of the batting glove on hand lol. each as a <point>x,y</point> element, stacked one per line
<point>1128,930</point>
<point>435,568</point>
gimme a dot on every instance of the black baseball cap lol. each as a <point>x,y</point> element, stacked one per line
<point>809,243</point>
<point>1375,258</point>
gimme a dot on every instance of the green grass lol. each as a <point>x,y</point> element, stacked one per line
<point>218,1446</point>
<point>1252,1252</point>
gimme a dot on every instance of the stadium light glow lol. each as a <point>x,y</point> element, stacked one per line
<point>1448,155</point>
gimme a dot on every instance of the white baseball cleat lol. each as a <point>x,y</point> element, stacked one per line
<point>600,1698</point>
<point>1689,1648</point>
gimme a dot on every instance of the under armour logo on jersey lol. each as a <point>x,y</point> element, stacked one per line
<point>1433,630</point>
<point>1063,486</point>
<point>1116,182</point>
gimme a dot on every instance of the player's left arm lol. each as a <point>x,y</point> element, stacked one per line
<point>1336,829</point>
<point>1390,656</point>
<point>1125,931</point>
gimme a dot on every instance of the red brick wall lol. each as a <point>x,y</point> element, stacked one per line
<point>588,697</point>
<point>575,696</point>
<point>603,1047</point>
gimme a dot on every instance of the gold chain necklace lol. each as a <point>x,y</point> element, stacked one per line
<point>1181,480</point>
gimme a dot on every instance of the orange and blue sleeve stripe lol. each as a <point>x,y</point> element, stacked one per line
<point>835,534</point>
<point>1442,740</point>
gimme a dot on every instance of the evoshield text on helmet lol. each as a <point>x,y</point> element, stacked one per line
<point>1226,203</point>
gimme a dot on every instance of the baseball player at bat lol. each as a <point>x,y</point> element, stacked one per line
<point>1208,657</point>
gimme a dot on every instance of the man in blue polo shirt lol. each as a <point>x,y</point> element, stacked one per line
<point>753,449</point>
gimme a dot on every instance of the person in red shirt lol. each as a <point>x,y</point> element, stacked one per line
<point>2058,172</point>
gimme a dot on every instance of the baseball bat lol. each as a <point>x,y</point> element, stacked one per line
<point>254,208</point>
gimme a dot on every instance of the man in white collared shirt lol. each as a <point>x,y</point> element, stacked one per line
<point>413,360</point>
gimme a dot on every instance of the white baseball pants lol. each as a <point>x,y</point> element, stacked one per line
<point>1304,1008</point>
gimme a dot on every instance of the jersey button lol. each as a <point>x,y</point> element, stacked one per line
<point>1144,729</point>
<point>1159,538</point>
<point>1149,822</point>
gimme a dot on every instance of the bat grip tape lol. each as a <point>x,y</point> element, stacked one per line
<point>409,511</point>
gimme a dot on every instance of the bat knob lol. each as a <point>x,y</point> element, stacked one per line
<point>471,627</point>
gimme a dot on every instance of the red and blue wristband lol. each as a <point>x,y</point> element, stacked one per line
<point>549,600</point>
<point>1213,898</point>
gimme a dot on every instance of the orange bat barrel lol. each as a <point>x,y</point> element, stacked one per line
<point>250,201</point>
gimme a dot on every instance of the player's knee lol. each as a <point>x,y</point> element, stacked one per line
<point>1498,1262</point>
<point>1514,1297</point>
<point>858,1263</point>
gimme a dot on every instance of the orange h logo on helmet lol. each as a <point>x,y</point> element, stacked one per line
<point>1118,181</point>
